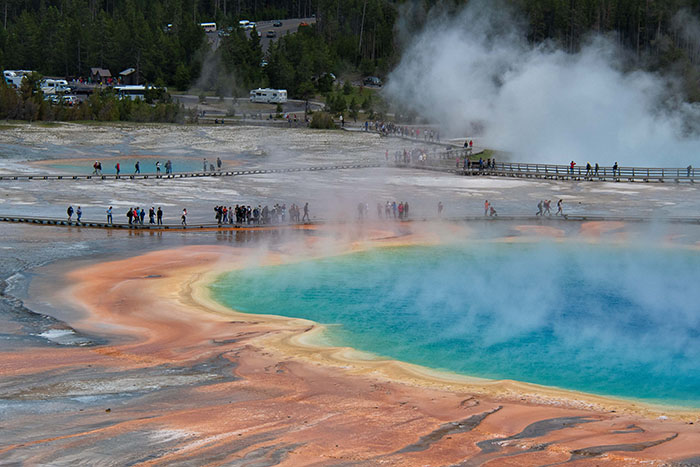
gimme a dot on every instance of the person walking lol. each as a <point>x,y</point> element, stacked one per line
<point>159,216</point>
<point>142,215</point>
<point>486,208</point>
<point>547,207</point>
<point>69,211</point>
<point>615,167</point>
<point>152,215</point>
<point>109,215</point>
<point>572,164</point>
<point>440,207</point>
<point>204,165</point>
<point>306,213</point>
<point>218,163</point>
<point>79,213</point>
<point>158,167</point>
<point>539,208</point>
<point>559,208</point>
<point>137,168</point>
<point>184,217</point>
<point>130,215</point>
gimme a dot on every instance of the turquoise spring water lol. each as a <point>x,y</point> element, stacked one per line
<point>617,321</point>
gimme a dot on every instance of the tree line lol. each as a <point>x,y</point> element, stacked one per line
<point>162,39</point>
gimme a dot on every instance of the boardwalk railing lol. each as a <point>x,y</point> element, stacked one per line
<point>451,161</point>
<point>136,225</point>
<point>560,172</point>
<point>275,226</point>
<point>177,175</point>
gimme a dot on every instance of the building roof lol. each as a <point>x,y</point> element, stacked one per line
<point>103,73</point>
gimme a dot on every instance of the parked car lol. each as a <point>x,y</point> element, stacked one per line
<point>277,24</point>
<point>373,81</point>
<point>70,100</point>
<point>53,98</point>
<point>271,33</point>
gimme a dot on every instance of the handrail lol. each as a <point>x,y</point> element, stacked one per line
<point>225,227</point>
<point>554,171</point>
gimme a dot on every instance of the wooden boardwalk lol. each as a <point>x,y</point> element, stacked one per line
<point>91,224</point>
<point>444,161</point>
<point>179,175</point>
<point>562,172</point>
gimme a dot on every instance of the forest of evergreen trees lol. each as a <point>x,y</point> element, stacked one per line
<point>68,37</point>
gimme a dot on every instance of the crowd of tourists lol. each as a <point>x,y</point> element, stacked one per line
<point>137,215</point>
<point>247,215</point>
<point>391,129</point>
<point>480,165</point>
<point>388,210</point>
<point>415,155</point>
<point>261,215</point>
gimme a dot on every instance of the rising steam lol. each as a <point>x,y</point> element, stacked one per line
<point>537,101</point>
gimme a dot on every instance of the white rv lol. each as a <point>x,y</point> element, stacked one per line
<point>14,78</point>
<point>54,86</point>
<point>133,91</point>
<point>268,96</point>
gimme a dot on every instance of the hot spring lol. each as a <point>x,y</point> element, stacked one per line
<point>620,321</point>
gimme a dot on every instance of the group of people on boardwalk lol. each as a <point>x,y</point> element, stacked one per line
<point>241,215</point>
<point>481,164</point>
<point>137,215</point>
<point>78,213</point>
<point>413,155</point>
<point>391,129</point>
<point>593,170</point>
<point>388,210</point>
<point>544,207</point>
<point>260,215</point>
<point>211,167</point>
<point>97,168</point>
<point>489,210</point>
<point>469,146</point>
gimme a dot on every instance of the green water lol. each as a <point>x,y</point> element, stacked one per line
<point>607,320</point>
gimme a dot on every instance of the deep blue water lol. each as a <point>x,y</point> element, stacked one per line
<point>617,321</point>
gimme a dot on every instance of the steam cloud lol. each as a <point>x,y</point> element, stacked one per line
<point>537,101</point>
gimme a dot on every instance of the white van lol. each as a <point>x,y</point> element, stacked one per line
<point>268,96</point>
<point>243,23</point>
